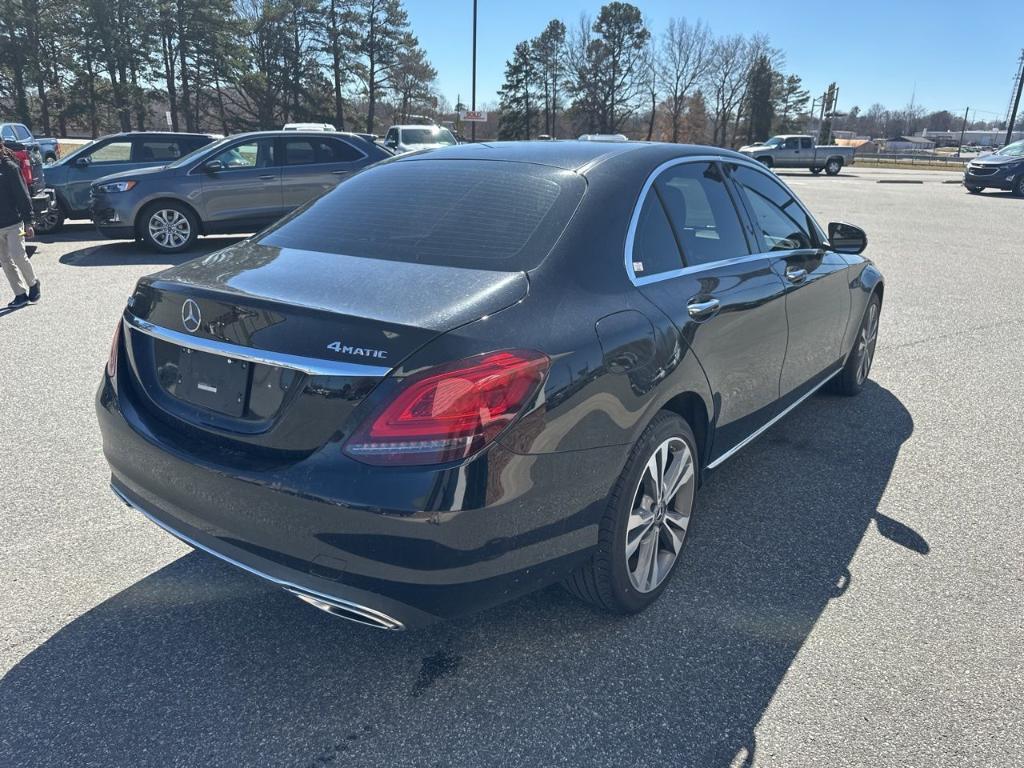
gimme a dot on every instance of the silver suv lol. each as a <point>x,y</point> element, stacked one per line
<point>239,184</point>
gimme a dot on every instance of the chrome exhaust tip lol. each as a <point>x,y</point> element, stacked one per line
<point>351,611</point>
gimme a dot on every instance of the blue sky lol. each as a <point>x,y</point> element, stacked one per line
<point>876,51</point>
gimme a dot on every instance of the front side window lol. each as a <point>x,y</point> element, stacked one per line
<point>251,154</point>
<point>654,246</point>
<point>8,133</point>
<point>113,152</point>
<point>781,222</point>
<point>702,213</point>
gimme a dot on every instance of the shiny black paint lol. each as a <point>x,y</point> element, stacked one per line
<point>274,490</point>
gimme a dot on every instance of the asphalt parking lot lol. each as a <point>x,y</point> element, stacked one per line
<point>852,595</point>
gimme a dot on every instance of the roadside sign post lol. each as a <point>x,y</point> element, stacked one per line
<point>167,116</point>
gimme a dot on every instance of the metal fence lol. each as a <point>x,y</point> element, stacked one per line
<point>913,158</point>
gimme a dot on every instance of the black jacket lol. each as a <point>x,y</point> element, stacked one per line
<point>15,204</point>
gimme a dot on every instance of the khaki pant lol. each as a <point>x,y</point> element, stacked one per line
<point>14,261</point>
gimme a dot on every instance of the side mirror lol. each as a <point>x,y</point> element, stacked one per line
<point>846,238</point>
<point>212,166</point>
<point>82,161</point>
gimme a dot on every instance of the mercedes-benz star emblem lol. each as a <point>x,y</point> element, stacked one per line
<point>191,317</point>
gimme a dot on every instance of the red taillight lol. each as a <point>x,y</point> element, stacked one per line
<point>450,412</point>
<point>26,166</point>
<point>112,359</point>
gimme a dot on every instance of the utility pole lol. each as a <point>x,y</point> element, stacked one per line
<point>473,98</point>
<point>963,129</point>
<point>1016,100</point>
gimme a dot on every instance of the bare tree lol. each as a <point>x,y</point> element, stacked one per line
<point>683,61</point>
<point>727,79</point>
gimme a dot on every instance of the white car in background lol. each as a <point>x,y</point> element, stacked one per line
<point>409,138</point>
<point>309,127</point>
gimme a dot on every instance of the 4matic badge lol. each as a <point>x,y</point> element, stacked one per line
<point>345,349</point>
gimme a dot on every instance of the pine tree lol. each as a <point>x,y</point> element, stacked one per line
<point>518,113</point>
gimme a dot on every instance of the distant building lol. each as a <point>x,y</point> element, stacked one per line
<point>861,146</point>
<point>975,138</point>
<point>908,144</point>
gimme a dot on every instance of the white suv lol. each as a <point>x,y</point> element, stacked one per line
<point>408,138</point>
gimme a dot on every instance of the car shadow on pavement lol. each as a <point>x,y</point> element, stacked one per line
<point>127,253</point>
<point>199,664</point>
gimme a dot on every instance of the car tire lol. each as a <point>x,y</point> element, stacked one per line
<point>973,189</point>
<point>832,167</point>
<point>168,227</point>
<point>850,380</point>
<point>1018,187</point>
<point>815,171</point>
<point>50,222</point>
<point>641,536</point>
<point>767,162</point>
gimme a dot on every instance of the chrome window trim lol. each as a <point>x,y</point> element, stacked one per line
<point>761,430</point>
<point>308,365</point>
<point>635,218</point>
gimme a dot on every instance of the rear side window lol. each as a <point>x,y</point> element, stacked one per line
<point>476,214</point>
<point>806,143</point>
<point>782,223</point>
<point>338,151</point>
<point>157,150</point>
<point>22,132</point>
<point>702,213</point>
<point>654,246</point>
<point>299,152</point>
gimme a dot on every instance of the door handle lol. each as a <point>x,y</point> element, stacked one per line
<point>796,274</point>
<point>702,310</point>
<point>339,173</point>
<point>269,177</point>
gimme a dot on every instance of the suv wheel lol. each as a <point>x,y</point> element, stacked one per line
<point>169,227</point>
<point>49,222</point>
<point>1018,187</point>
<point>645,524</point>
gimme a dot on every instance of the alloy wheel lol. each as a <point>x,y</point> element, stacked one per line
<point>660,515</point>
<point>169,228</point>
<point>866,343</point>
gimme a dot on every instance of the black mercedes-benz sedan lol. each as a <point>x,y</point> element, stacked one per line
<point>464,375</point>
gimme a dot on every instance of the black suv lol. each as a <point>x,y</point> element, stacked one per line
<point>1003,169</point>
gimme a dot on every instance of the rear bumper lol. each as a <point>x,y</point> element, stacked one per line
<point>436,545</point>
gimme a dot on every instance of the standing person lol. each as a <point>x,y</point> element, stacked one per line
<point>15,213</point>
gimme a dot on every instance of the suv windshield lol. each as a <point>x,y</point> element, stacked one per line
<point>1012,150</point>
<point>427,136</point>
<point>464,213</point>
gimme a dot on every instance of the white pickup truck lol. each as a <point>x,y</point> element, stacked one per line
<point>798,151</point>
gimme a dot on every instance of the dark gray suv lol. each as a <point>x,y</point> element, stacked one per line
<point>71,176</point>
<point>238,184</point>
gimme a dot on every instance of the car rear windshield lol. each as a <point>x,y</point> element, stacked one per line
<point>469,213</point>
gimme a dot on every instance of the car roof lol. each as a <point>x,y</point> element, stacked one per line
<point>568,155</point>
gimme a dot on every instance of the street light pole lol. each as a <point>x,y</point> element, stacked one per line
<point>473,97</point>
<point>963,129</point>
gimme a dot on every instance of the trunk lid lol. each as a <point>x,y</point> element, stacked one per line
<point>273,348</point>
